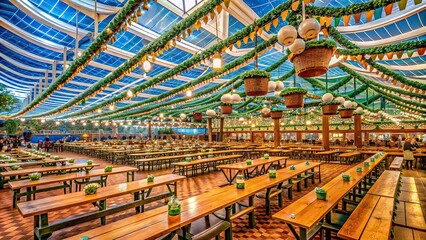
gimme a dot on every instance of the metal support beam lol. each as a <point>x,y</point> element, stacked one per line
<point>96,18</point>
<point>65,59</point>
<point>76,35</point>
<point>53,72</point>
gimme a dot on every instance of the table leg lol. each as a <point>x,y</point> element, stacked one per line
<point>228,232</point>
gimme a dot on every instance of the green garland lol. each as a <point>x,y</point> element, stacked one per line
<point>255,73</point>
<point>405,46</point>
<point>267,18</point>
<point>374,83</point>
<point>349,10</point>
<point>341,83</point>
<point>320,43</point>
<point>88,54</point>
<point>333,102</point>
<point>340,39</point>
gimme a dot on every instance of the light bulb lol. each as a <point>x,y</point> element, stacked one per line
<point>57,122</point>
<point>308,122</point>
<point>73,123</point>
<point>43,120</point>
<point>96,124</point>
<point>84,124</point>
<point>99,110</point>
<point>111,107</point>
<point>22,119</point>
<point>189,93</point>
<point>146,66</point>
<point>129,93</point>
<point>217,62</point>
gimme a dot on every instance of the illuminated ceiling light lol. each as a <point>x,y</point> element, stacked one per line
<point>111,107</point>
<point>42,120</point>
<point>79,53</point>
<point>146,66</point>
<point>73,123</point>
<point>253,125</point>
<point>99,110</point>
<point>84,124</point>
<point>96,124</point>
<point>129,93</point>
<point>189,93</point>
<point>106,123</point>
<point>57,123</point>
<point>308,122</point>
<point>161,115</point>
<point>121,123</point>
<point>22,119</point>
<point>217,62</point>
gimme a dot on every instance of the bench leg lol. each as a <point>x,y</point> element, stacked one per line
<point>136,197</point>
<point>252,220</point>
<point>228,232</point>
<point>102,206</point>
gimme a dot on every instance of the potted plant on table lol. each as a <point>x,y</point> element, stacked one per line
<point>34,176</point>
<point>91,188</point>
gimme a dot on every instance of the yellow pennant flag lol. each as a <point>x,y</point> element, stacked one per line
<point>238,43</point>
<point>295,5</point>
<point>275,22</point>
<point>245,39</point>
<point>268,26</point>
<point>284,15</point>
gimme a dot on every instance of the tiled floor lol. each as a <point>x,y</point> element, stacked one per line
<point>13,226</point>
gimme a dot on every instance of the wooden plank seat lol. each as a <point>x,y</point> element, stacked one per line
<point>259,166</point>
<point>309,214</point>
<point>204,164</point>
<point>213,231</point>
<point>408,233</point>
<point>85,177</point>
<point>349,157</point>
<point>157,223</point>
<point>44,170</point>
<point>168,160</point>
<point>396,164</point>
<point>45,162</point>
<point>141,190</point>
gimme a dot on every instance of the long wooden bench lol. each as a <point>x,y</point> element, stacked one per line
<point>204,164</point>
<point>40,208</point>
<point>157,223</point>
<point>66,179</point>
<point>308,212</point>
<point>47,170</point>
<point>372,218</point>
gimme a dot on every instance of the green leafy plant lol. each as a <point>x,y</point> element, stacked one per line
<point>7,100</point>
<point>34,176</point>
<point>320,43</point>
<point>293,90</point>
<point>71,160</point>
<point>91,188</point>
<point>348,10</point>
<point>333,102</point>
<point>89,162</point>
<point>255,73</point>
<point>108,169</point>
<point>11,126</point>
<point>15,167</point>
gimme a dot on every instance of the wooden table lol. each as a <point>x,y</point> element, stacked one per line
<point>349,157</point>
<point>31,186</point>
<point>242,167</point>
<point>40,208</point>
<point>386,185</point>
<point>327,155</point>
<point>309,211</point>
<point>203,164</point>
<point>55,169</point>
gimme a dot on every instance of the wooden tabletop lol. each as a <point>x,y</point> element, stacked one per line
<point>27,171</point>
<point>240,166</point>
<point>55,203</point>
<point>309,211</point>
<point>386,185</point>
<point>204,160</point>
<point>371,219</point>
<point>159,153</point>
<point>327,152</point>
<point>189,155</point>
<point>36,163</point>
<point>67,177</point>
<point>350,154</point>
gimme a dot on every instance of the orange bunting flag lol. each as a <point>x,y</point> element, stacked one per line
<point>359,57</point>
<point>325,31</point>
<point>212,15</point>
<point>275,22</point>
<point>345,57</point>
<point>227,2</point>
<point>284,15</point>
<point>328,21</point>
<point>369,15</point>
<point>322,21</point>
<point>231,47</point>
<point>399,54</point>
<point>197,25</point>
<point>421,51</point>
<point>352,57</point>
<point>388,9</point>
<point>259,31</point>
<point>389,55</point>
<point>268,26</point>
<point>346,20</point>
<point>373,56</point>
<point>295,5</point>
<point>307,2</point>
<point>219,9</point>
<point>238,43</point>
<point>381,56</point>
<point>245,39</point>
<point>205,19</point>
<point>357,17</point>
<point>371,68</point>
<point>252,35</point>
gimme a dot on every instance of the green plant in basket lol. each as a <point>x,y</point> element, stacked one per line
<point>372,159</point>
<point>15,167</point>
<point>292,167</point>
<point>266,156</point>
<point>203,151</point>
<point>173,207</point>
<point>255,73</point>
<point>307,163</point>
<point>55,157</point>
<point>321,193</point>
<point>240,182</point>
<point>12,160</point>
<point>91,188</point>
<point>188,159</point>
<point>4,156</point>
<point>34,176</point>
<point>346,177</point>
<point>249,161</point>
<point>359,169</point>
<point>108,169</point>
<point>366,164</point>
<point>293,90</point>
<point>89,162</point>
<point>71,160</point>
<point>272,173</point>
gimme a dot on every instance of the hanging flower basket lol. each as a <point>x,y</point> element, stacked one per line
<point>226,109</point>
<point>314,61</point>
<point>330,108</point>
<point>256,82</point>
<point>294,97</point>
<point>268,115</point>
<point>276,114</point>
<point>346,112</point>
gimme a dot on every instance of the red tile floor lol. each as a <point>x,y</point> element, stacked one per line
<point>13,226</point>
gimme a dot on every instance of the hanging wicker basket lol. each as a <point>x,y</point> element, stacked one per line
<point>330,109</point>
<point>295,100</point>
<point>256,86</point>
<point>226,109</point>
<point>312,62</point>
<point>346,113</point>
<point>266,115</point>
<point>276,114</point>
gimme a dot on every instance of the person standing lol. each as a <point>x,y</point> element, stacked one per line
<point>408,153</point>
<point>47,143</point>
